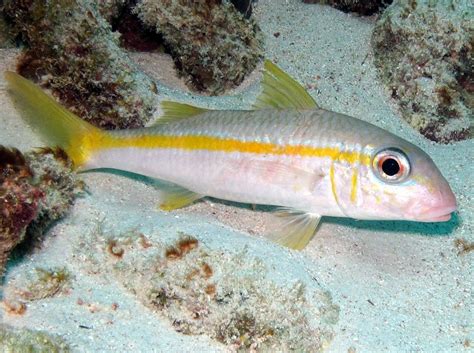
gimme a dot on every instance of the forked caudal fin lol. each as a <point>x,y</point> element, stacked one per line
<point>58,126</point>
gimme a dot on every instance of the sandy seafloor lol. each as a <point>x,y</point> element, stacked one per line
<point>400,286</point>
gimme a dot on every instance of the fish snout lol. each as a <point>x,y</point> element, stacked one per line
<point>436,206</point>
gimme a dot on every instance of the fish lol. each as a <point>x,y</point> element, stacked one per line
<point>285,152</point>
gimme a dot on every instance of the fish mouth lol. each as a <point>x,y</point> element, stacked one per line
<point>437,214</point>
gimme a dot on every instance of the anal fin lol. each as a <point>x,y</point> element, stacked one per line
<point>296,230</point>
<point>174,197</point>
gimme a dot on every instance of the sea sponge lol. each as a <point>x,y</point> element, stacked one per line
<point>213,45</point>
<point>198,290</point>
<point>424,54</point>
<point>24,340</point>
<point>35,190</point>
<point>73,51</point>
<point>362,7</point>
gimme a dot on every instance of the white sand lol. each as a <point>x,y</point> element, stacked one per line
<point>401,287</point>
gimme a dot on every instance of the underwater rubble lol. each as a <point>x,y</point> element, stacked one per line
<point>424,55</point>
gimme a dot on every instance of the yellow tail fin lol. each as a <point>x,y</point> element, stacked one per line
<point>55,123</point>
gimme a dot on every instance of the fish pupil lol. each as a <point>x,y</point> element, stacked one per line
<point>390,167</point>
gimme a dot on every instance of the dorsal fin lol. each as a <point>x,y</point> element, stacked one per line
<point>281,91</point>
<point>173,111</point>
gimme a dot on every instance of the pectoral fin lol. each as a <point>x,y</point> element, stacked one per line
<point>296,230</point>
<point>174,197</point>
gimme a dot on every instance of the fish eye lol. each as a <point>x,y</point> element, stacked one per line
<point>391,165</point>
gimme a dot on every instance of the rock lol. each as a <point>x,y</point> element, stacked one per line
<point>213,45</point>
<point>424,54</point>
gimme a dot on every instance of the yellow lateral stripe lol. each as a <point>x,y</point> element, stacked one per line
<point>354,185</point>
<point>210,143</point>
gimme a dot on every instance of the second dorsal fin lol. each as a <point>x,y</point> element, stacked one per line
<point>281,91</point>
<point>173,111</point>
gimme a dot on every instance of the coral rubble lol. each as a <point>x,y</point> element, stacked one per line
<point>198,290</point>
<point>35,190</point>
<point>213,45</point>
<point>362,7</point>
<point>73,51</point>
<point>24,340</point>
<point>424,54</point>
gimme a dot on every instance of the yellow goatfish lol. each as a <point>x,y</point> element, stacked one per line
<point>285,152</point>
